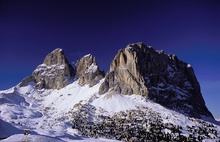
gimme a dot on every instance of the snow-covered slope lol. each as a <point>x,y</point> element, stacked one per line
<point>51,112</point>
<point>43,112</point>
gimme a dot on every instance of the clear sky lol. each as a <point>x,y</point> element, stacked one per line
<point>30,29</point>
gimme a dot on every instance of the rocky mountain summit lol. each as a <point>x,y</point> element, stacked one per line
<point>88,71</point>
<point>54,73</point>
<point>139,69</point>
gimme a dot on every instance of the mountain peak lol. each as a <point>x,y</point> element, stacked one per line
<point>54,73</point>
<point>139,69</point>
<point>88,71</point>
<point>134,45</point>
<point>88,56</point>
<point>55,57</point>
<point>57,50</point>
<point>124,76</point>
<point>137,47</point>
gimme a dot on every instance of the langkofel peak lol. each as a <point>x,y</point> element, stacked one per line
<point>163,78</point>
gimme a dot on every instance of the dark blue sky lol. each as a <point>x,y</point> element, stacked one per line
<point>29,30</point>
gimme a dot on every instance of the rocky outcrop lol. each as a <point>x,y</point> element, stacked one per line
<point>88,71</point>
<point>139,69</point>
<point>54,73</point>
<point>124,76</point>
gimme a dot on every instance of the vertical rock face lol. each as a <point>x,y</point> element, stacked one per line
<point>124,76</point>
<point>139,69</point>
<point>87,71</point>
<point>54,73</point>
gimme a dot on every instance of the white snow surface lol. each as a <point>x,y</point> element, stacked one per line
<point>41,138</point>
<point>31,138</point>
<point>47,113</point>
<point>44,112</point>
<point>113,103</point>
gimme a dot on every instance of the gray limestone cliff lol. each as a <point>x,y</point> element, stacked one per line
<point>54,73</point>
<point>139,69</point>
<point>88,71</point>
<point>124,76</point>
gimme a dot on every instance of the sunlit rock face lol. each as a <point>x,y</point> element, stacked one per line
<point>88,71</point>
<point>124,76</point>
<point>139,69</point>
<point>54,73</point>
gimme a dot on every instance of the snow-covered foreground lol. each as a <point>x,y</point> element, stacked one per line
<point>48,113</point>
<point>40,138</point>
<point>31,138</point>
<point>44,113</point>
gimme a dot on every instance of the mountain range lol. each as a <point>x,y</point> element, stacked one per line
<point>145,95</point>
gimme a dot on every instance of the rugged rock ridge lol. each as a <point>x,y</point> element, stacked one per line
<point>87,71</point>
<point>55,72</point>
<point>139,69</point>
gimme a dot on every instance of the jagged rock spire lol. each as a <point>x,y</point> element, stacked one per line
<point>56,57</point>
<point>88,71</point>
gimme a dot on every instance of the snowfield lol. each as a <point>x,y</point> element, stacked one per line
<point>44,112</point>
<point>48,114</point>
<point>40,138</point>
<point>31,138</point>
